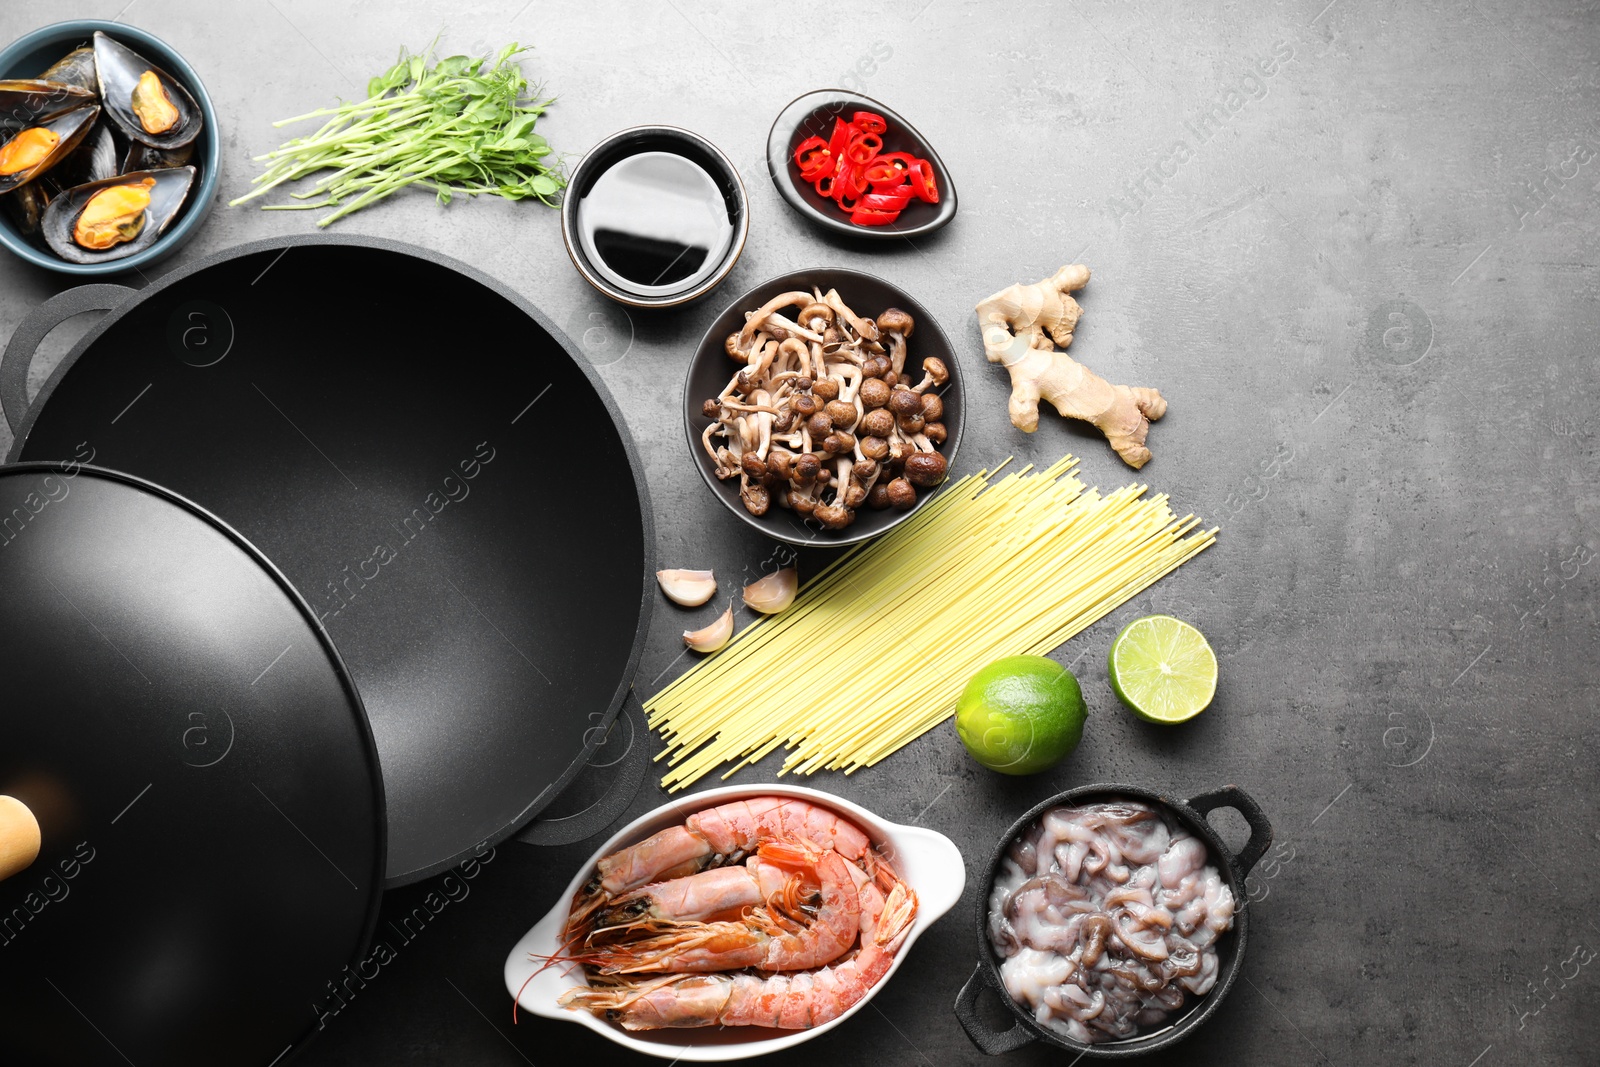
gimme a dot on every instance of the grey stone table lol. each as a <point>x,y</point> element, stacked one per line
<point>1356,245</point>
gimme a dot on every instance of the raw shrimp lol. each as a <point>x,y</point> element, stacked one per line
<point>786,1001</point>
<point>812,918</point>
<point>696,896</point>
<point>715,893</point>
<point>714,837</point>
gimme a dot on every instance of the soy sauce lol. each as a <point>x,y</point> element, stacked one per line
<point>655,223</point>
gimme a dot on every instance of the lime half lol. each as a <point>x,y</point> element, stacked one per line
<point>1163,669</point>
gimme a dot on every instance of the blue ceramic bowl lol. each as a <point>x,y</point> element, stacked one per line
<point>31,54</point>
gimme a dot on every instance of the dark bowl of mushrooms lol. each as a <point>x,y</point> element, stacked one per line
<point>823,407</point>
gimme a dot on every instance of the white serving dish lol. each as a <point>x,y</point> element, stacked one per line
<point>928,862</point>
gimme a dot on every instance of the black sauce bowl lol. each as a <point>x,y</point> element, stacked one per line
<point>632,141</point>
<point>711,368</point>
<point>812,115</point>
<point>1191,815</point>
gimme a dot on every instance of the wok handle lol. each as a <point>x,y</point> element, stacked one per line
<point>632,764</point>
<point>994,1042</point>
<point>19,837</point>
<point>25,339</point>
<point>1231,796</point>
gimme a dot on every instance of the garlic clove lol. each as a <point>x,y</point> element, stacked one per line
<point>689,588</point>
<point>773,593</point>
<point>713,637</point>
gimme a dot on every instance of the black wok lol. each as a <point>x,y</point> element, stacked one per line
<point>429,462</point>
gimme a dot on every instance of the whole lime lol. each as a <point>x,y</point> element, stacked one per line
<point>1021,714</point>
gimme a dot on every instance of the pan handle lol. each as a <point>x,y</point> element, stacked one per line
<point>1231,796</point>
<point>632,765</point>
<point>994,1042</point>
<point>40,321</point>
<point>19,837</point>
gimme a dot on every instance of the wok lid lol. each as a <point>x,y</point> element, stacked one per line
<point>431,464</point>
<point>201,773</point>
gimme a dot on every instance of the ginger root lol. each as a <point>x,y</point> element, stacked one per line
<point>1022,324</point>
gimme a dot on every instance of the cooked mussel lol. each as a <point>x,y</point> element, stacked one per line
<point>94,159</point>
<point>115,215</point>
<point>76,68</point>
<point>30,152</point>
<point>26,102</point>
<point>147,104</point>
<point>111,219</point>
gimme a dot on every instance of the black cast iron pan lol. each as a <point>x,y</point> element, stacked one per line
<point>432,465</point>
<point>1234,868</point>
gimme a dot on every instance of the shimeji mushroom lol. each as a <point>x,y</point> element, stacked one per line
<point>897,325</point>
<point>865,329</point>
<point>934,372</point>
<point>759,318</point>
<point>825,387</point>
<point>925,469</point>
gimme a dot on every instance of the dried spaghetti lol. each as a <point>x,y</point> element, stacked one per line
<point>982,571</point>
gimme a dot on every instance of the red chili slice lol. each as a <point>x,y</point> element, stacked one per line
<point>858,181</point>
<point>824,167</point>
<point>850,178</point>
<point>867,122</point>
<point>863,148</point>
<point>806,148</point>
<point>924,183</point>
<point>847,182</point>
<point>867,217</point>
<point>819,168</point>
<point>842,178</point>
<point>885,173</point>
<point>824,186</point>
<point>877,201</point>
<point>840,138</point>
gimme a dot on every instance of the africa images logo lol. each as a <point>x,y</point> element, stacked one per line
<point>399,932</point>
<point>1204,127</point>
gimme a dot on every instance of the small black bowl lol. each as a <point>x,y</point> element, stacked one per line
<point>619,146</point>
<point>812,115</point>
<point>1191,814</point>
<point>711,368</point>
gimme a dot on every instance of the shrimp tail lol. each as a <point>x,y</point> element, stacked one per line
<point>899,910</point>
<point>664,1003</point>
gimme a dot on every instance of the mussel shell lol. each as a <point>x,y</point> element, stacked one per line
<point>72,127</point>
<point>118,68</point>
<point>94,159</point>
<point>142,157</point>
<point>26,206</point>
<point>76,68</point>
<point>26,102</point>
<point>167,198</point>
